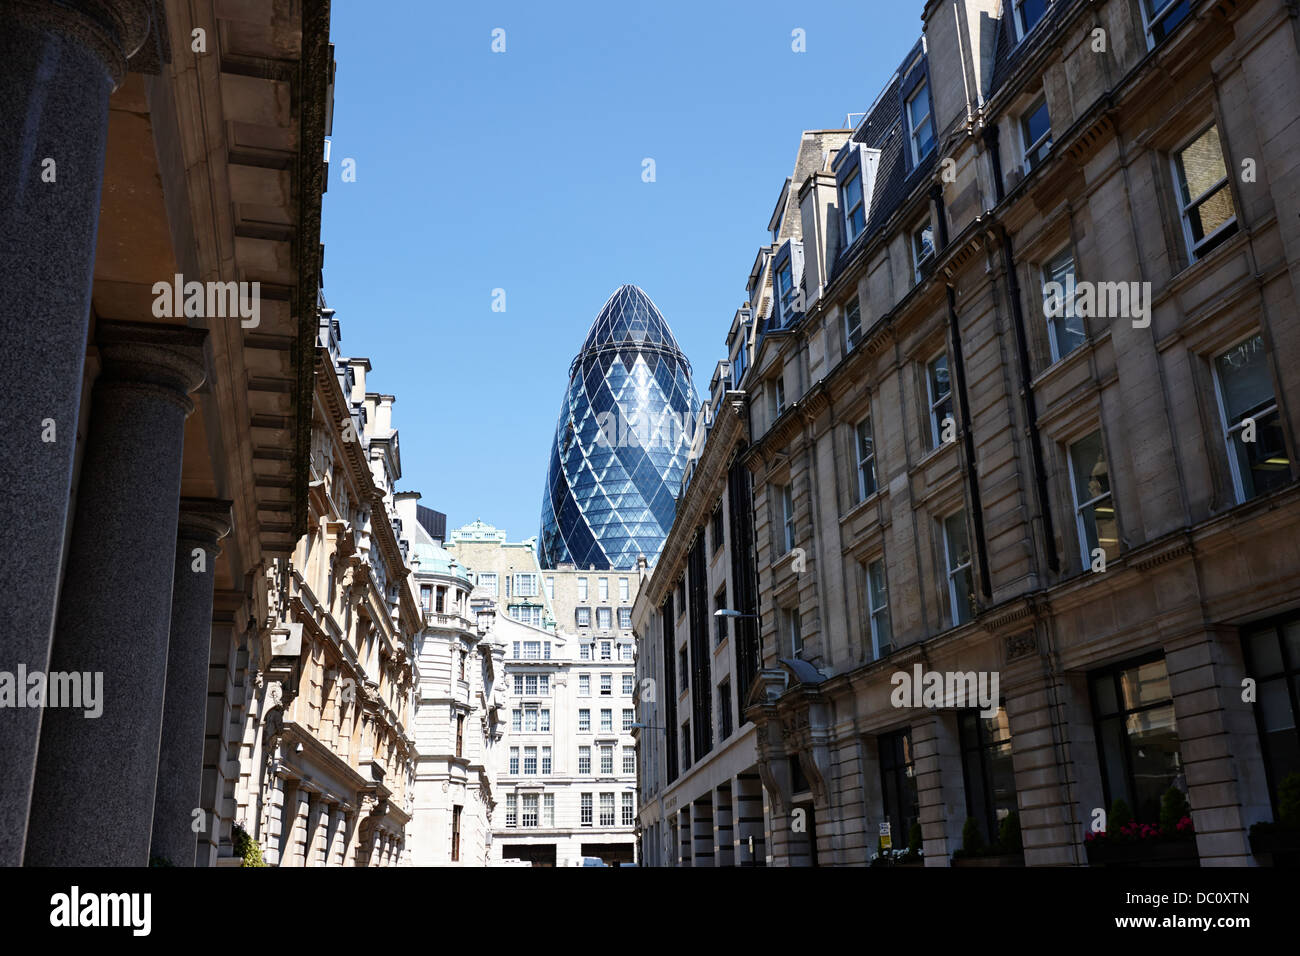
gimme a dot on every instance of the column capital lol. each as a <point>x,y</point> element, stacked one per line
<point>203,522</point>
<point>112,29</point>
<point>165,359</point>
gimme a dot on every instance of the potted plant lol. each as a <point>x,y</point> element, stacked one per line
<point>1130,842</point>
<point>246,847</point>
<point>911,855</point>
<point>1006,850</point>
<point>1277,843</point>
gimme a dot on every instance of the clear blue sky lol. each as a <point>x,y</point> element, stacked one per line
<point>522,171</point>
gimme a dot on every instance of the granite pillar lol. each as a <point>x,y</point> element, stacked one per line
<point>92,800</point>
<point>58,65</point>
<point>203,521</point>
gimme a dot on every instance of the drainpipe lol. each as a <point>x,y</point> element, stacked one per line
<point>968,438</point>
<point>991,144</point>
<point>1031,412</point>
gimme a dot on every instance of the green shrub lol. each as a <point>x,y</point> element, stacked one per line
<point>1009,833</point>
<point>1119,815</point>
<point>1288,801</point>
<point>972,841</point>
<point>914,840</point>
<point>1173,807</point>
<point>246,847</point>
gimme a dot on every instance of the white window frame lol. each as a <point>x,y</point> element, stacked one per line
<point>548,810</point>
<point>606,684</point>
<point>607,720</point>
<point>629,718</point>
<point>1229,429</point>
<point>602,588</point>
<point>629,685</point>
<point>786,493</point>
<point>860,206</point>
<point>1184,208</point>
<point>585,818</point>
<point>584,685</point>
<point>1050,270</point>
<point>1149,23</point>
<point>607,760</point>
<point>794,629</point>
<point>913,125</point>
<point>852,333</point>
<point>582,589</point>
<point>936,425</point>
<point>604,622</point>
<point>629,810</point>
<point>582,617</point>
<point>1079,526</point>
<point>624,618</point>
<point>604,805</point>
<point>865,462</point>
<point>624,589</point>
<point>629,758</point>
<point>919,259</point>
<point>584,720</point>
<point>951,570</point>
<point>1028,149</point>
<point>584,761</point>
<point>876,611</point>
<point>1017,18</point>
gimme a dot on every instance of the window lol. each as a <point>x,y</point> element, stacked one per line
<point>529,815</point>
<point>546,761</point>
<point>440,601</point>
<point>720,623</point>
<point>545,720</point>
<point>898,785</point>
<point>603,622</point>
<point>1244,390</point>
<point>515,650</point>
<point>629,716</point>
<point>866,454</point>
<point>527,614</point>
<point>460,735</point>
<point>455,834</point>
<point>586,809</point>
<point>519,685</point>
<point>544,685</point>
<point>882,634</point>
<point>778,396</point>
<point>1064,327</point>
<point>488,582</point>
<point>1204,195</point>
<point>426,597</point>
<point>584,760</point>
<point>1028,14</point>
<point>606,648</point>
<point>606,685</point>
<point>1273,662</point>
<point>918,118</point>
<point>625,650</point>
<point>683,671</point>
<point>785,289</point>
<point>516,718</point>
<point>525,585</point>
<point>793,630</point>
<point>584,720</point>
<point>629,811</point>
<point>922,248</point>
<point>681,596</point>
<point>958,559</point>
<point>583,619</point>
<point>987,771</point>
<point>1036,133</point>
<point>602,587</point>
<point>1137,737</point>
<point>546,650</point>
<point>514,761</point>
<point>1094,512</point>
<point>530,718</point>
<point>1163,16</point>
<point>686,744</point>
<point>533,650</point>
<point>530,682</point>
<point>623,591</point>
<point>629,682</point>
<point>939,391</point>
<point>786,493</point>
<point>512,811</point>
<point>582,589</point>
<point>607,720</point>
<point>629,760</point>
<point>463,659</point>
<point>606,809</point>
<point>530,761</point>
<point>625,618</point>
<point>852,325</point>
<point>606,759</point>
<point>724,708</point>
<point>548,809</point>
<point>550,588</point>
<point>716,528</point>
<point>855,211</point>
<point>584,685</point>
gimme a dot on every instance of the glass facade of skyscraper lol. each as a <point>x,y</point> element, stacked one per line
<point>621,441</point>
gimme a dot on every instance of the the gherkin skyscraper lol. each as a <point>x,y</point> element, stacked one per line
<point>621,441</point>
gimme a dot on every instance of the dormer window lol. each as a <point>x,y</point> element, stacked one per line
<point>1036,133</point>
<point>1162,17</point>
<point>1027,16</point>
<point>855,216</point>
<point>918,119</point>
<point>785,286</point>
<point>789,274</point>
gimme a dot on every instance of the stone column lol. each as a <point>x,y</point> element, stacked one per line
<point>298,834</point>
<point>724,833</point>
<point>203,522</point>
<point>702,832</point>
<point>338,836</point>
<point>940,793</point>
<point>95,778</point>
<point>748,819</point>
<point>273,841</point>
<point>58,65</point>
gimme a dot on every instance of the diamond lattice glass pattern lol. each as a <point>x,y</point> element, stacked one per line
<point>620,446</point>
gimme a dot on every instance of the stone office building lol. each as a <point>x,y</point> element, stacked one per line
<point>974,452</point>
<point>153,460</point>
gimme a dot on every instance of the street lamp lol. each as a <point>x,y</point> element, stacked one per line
<point>727,612</point>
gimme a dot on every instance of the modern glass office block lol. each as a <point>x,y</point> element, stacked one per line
<point>621,441</point>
